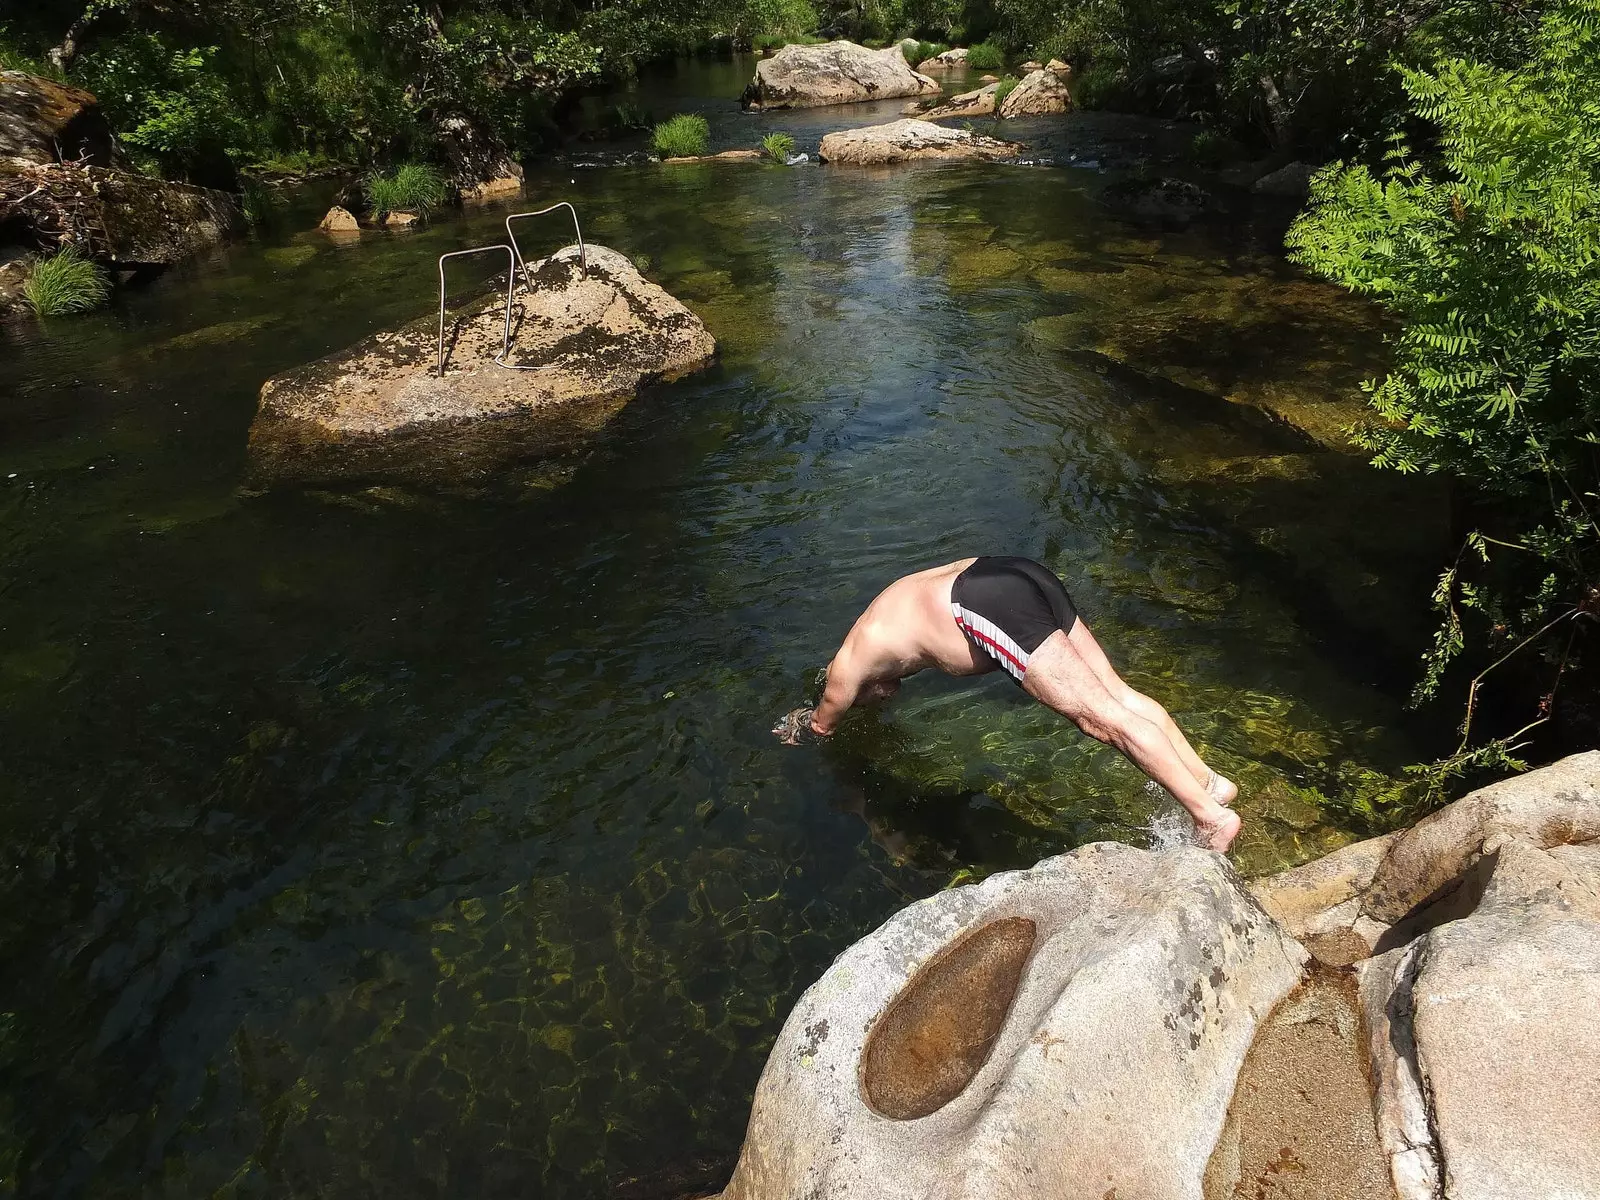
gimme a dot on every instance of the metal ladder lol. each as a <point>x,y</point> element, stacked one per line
<point>514,264</point>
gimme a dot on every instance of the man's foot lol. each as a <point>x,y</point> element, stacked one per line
<point>1223,791</point>
<point>1218,834</point>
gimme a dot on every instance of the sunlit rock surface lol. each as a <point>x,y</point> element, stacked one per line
<point>833,73</point>
<point>1039,94</point>
<point>1070,1030</point>
<point>592,337</point>
<point>907,140</point>
<point>1484,920</point>
<point>979,103</point>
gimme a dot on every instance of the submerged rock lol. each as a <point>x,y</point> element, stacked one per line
<point>905,140</point>
<point>1041,93</point>
<point>44,121</point>
<point>380,408</point>
<point>1175,201</point>
<point>834,73</point>
<point>1070,1030</point>
<point>125,220</point>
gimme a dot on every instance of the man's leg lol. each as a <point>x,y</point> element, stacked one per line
<point>1058,677</point>
<point>1080,639</point>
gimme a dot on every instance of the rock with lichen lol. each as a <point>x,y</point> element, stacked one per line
<point>909,140</point>
<point>833,73</point>
<point>586,339</point>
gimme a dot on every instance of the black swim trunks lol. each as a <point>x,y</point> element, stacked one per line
<point>1008,607</point>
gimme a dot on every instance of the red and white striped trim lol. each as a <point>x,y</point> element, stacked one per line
<point>993,640</point>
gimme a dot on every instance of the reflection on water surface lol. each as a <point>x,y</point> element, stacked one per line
<point>418,844</point>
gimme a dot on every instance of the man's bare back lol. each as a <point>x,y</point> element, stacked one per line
<point>978,614</point>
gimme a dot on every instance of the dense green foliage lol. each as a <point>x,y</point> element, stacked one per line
<point>777,146</point>
<point>1489,256</point>
<point>1007,85</point>
<point>1310,76</point>
<point>682,136</point>
<point>197,88</point>
<point>410,187</point>
<point>986,56</point>
<point>66,283</point>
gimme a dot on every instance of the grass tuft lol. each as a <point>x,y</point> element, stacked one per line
<point>1007,85</point>
<point>778,147</point>
<point>927,50</point>
<point>67,282</point>
<point>986,56</point>
<point>261,204</point>
<point>410,187</point>
<point>683,136</point>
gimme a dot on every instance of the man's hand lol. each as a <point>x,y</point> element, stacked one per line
<point>793,726</point>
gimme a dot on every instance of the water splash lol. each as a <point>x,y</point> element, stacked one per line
<point>1170,825</point>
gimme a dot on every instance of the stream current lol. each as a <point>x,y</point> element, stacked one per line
<point>371,841</point>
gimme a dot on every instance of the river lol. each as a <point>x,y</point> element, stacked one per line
<point>384,842</point>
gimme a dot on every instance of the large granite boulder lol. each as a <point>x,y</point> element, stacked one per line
<point>43,121</point>
<point>833,73</point>
<point>125,220</point>
<point>1040,94</point>
<point>1073,1030</point>
<point>1483,1038</point>
<point>910,139</point>
<point>590,338</point>
<point>1482,923</point>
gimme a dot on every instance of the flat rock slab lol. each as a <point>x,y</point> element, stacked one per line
<point>381,409</point>
<point>910,140</point>
<point>833,73</point>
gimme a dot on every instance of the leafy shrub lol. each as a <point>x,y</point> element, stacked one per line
<point>683,136</point>
<point>411,187</point>
<point>171,106</point>
<point>927,50</point>
<point>1096,84</point>
<point>1007,85</point>
<point>67,282</point>
<point>986,56</point>
<point>1486,257</point>
<point>778,146</point>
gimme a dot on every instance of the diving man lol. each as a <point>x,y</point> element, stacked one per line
<point>972,616</point>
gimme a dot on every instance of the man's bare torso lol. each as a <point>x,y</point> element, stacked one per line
<point>908,628</point>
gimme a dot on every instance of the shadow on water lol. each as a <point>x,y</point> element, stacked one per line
<point>384,840</point>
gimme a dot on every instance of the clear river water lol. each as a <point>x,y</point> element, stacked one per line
<point>378,841</point>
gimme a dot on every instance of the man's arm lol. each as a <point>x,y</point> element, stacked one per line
<point>844,685</point>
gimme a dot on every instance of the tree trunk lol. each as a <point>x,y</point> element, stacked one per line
<point>1279,119</point>
<point>63,55</point>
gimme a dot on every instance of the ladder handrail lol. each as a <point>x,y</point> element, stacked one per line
<point>583,253</point>
<point>511,285</point>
